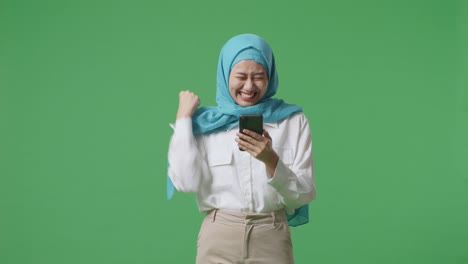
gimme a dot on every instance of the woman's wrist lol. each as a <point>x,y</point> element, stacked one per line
<point>271,164</point>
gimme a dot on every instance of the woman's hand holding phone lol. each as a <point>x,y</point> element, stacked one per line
<point>259,146</point>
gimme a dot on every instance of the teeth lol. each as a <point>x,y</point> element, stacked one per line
<point>249,95</point>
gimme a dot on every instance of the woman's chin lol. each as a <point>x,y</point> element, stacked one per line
<point>246,102</point>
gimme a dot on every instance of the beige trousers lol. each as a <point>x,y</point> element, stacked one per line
<point>228,237</point>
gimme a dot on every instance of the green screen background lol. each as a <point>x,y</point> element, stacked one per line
<point>88,89</point>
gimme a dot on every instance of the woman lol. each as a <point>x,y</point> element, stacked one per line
<point>248,194</point>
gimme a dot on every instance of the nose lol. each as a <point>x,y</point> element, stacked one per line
<point>248,85</point>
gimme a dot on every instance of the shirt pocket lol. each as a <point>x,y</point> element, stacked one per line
<point>221,169</point>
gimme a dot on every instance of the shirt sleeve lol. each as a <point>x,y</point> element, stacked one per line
<point>184,157</point>
<point>295,184</point>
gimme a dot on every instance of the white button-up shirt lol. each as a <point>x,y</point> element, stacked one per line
<point>226,178</point>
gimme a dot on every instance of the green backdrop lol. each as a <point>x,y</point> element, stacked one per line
<point>88,89</point>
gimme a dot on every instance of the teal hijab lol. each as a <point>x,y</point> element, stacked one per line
<point>211,119</point>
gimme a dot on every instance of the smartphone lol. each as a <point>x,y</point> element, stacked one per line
<point>252,122</point>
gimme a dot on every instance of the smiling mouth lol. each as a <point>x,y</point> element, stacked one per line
<point>248,96</point>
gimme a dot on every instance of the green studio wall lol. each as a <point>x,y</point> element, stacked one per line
<point>88,89</point>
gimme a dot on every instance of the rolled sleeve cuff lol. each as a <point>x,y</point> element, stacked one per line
<point>183,126</point>
<point>280,179</point>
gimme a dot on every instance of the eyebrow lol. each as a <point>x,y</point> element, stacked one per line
<point>255,73</point>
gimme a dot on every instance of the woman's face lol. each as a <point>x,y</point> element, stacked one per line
<point>248,82</point>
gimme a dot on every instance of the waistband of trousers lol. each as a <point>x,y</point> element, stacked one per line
<point>220,215</point>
